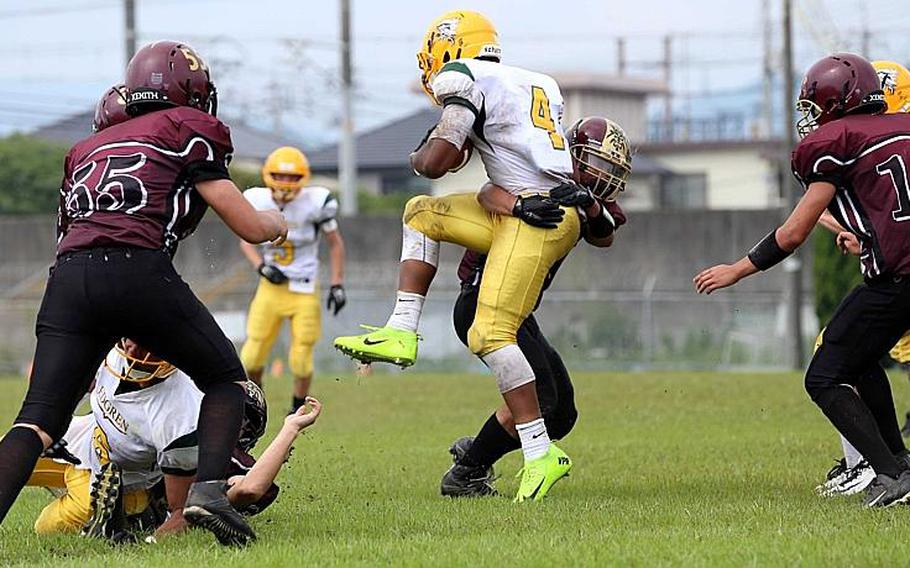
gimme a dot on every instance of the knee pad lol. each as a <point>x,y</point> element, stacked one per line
<point>510,367</point>
<point>300,360</point>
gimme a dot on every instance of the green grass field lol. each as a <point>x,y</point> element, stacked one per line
<point>675,468</point>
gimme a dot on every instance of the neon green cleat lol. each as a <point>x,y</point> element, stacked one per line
<point>538,476</point>
<point>382,344</point>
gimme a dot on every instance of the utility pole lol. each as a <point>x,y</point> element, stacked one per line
<point>867,34</point>
<point>668,99</point>
<point>347,159</point>
<point>129,36</point>
<point>620,56</point>
<point>767,126</point>
<point>793,265</point>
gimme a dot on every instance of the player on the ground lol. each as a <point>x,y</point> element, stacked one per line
<point>130,193</point>
<point>288,287</point>
<point>142,432</point>
<point>852,473</point>
<point>511,116</point>
<point>597,159</point>
<point>851,161</point>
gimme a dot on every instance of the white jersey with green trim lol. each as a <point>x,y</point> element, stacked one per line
<point>312,212</point>
<point>517,127</point>
<point>145,431</point>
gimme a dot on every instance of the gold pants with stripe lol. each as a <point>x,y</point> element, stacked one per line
<point>519,257</point>
<point>272,304</point>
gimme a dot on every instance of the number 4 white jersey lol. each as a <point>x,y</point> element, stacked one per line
<point>517,127</point>
<point>311,212</point>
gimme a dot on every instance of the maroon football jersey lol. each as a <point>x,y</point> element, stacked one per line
<point>132,184</point>
<point>865,157</point>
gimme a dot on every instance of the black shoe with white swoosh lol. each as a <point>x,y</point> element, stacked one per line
<point>887,491</point>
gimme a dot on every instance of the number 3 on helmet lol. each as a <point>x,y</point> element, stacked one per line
<point>460,34</point>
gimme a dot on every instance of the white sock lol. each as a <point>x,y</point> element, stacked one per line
<point>535,442</point>
<point>851,454</point>
<point>406,314</point>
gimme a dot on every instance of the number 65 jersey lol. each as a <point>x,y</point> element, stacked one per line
<point>865,157</point>
<point>133,184</point>
<point>310,213</point>
<point>517,125</point>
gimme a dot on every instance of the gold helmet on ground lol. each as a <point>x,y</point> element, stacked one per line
<point>459,34</point>
<point>140,366</point>
<point>895,80</point>
<point>285,172</point>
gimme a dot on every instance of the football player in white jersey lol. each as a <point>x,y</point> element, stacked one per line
<point>511,116</point>
<point>288,287</point>
<point>142,430</point>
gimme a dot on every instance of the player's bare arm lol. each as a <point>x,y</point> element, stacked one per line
<point>237,213</point>
<point>251,253</point>
<point>776,246</point>
<point>447,147</point>
<point>336,256</point>
<point>176,487</point>
<point>251,487</point>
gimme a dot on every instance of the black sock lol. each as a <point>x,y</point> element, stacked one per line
<point>20,449</point>
<point>854,420</point>
<point>219,428</point>
<point>490,444</point>
<point>875,390</point>
<point>297,402</point>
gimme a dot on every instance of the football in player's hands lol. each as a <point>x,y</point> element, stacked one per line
<point>538,211</point>
<point>337,299</point>
<point>272,274</point>
<point>466,152</point>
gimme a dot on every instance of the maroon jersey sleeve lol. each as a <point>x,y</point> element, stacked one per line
<point>213,165</point>
<point>821,155</point>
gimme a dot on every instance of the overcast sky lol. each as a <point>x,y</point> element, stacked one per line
<point>56,57</point>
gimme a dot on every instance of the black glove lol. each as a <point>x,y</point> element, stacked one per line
<point>272,274</point>
<point>58,451</point>
<point>538,211</point>
<point>572,195</point>
<point>337,299</point>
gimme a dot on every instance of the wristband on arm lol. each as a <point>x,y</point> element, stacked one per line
<point>766,253</point>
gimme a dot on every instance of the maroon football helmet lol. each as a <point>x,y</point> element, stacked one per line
<point>601,156</point>
<point>255,416</point>
<point>838,85</point>
<point>169,73</point>
<point>111,109</point>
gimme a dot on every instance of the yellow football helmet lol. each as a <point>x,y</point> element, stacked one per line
<point>285,172</point>
<point>459,34</point>
<point>141,366</point>
<point>895,80</point>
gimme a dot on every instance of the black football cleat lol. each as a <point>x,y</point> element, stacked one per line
<point>106,499</point>
<point>887,491</point>
<point>905,431</point>
<point>466,480</point>
<point>207,507</point>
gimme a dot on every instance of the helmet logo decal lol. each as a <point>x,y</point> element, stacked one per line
<point>446,29</point>
<point>888,78</point>
<point>157,78</point>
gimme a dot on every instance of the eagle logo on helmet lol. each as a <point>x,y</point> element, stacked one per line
<point>617,140</point>
<point>888,77</point>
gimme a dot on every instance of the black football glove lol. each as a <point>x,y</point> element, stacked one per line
<point>58,451</point>
<point>572,195</point>
<point>538,211</point>
<point>337,299</point>
<point>272,274</point>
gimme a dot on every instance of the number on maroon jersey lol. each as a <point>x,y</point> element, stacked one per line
<point>894,166</point>
<point>114,189</point>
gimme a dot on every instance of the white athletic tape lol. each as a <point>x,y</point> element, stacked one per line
<point>510,366</point>
<point>417,246</point>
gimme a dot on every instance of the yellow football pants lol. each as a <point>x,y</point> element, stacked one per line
<point>518,259</point>
<point>272,304</point>
<point>69,512</point>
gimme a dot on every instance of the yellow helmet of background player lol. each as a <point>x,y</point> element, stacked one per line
<point>895,80</point>
<point>293,168</point>
<point>459,34</point>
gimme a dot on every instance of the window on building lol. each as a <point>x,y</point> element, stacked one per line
<point>683,191</point>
